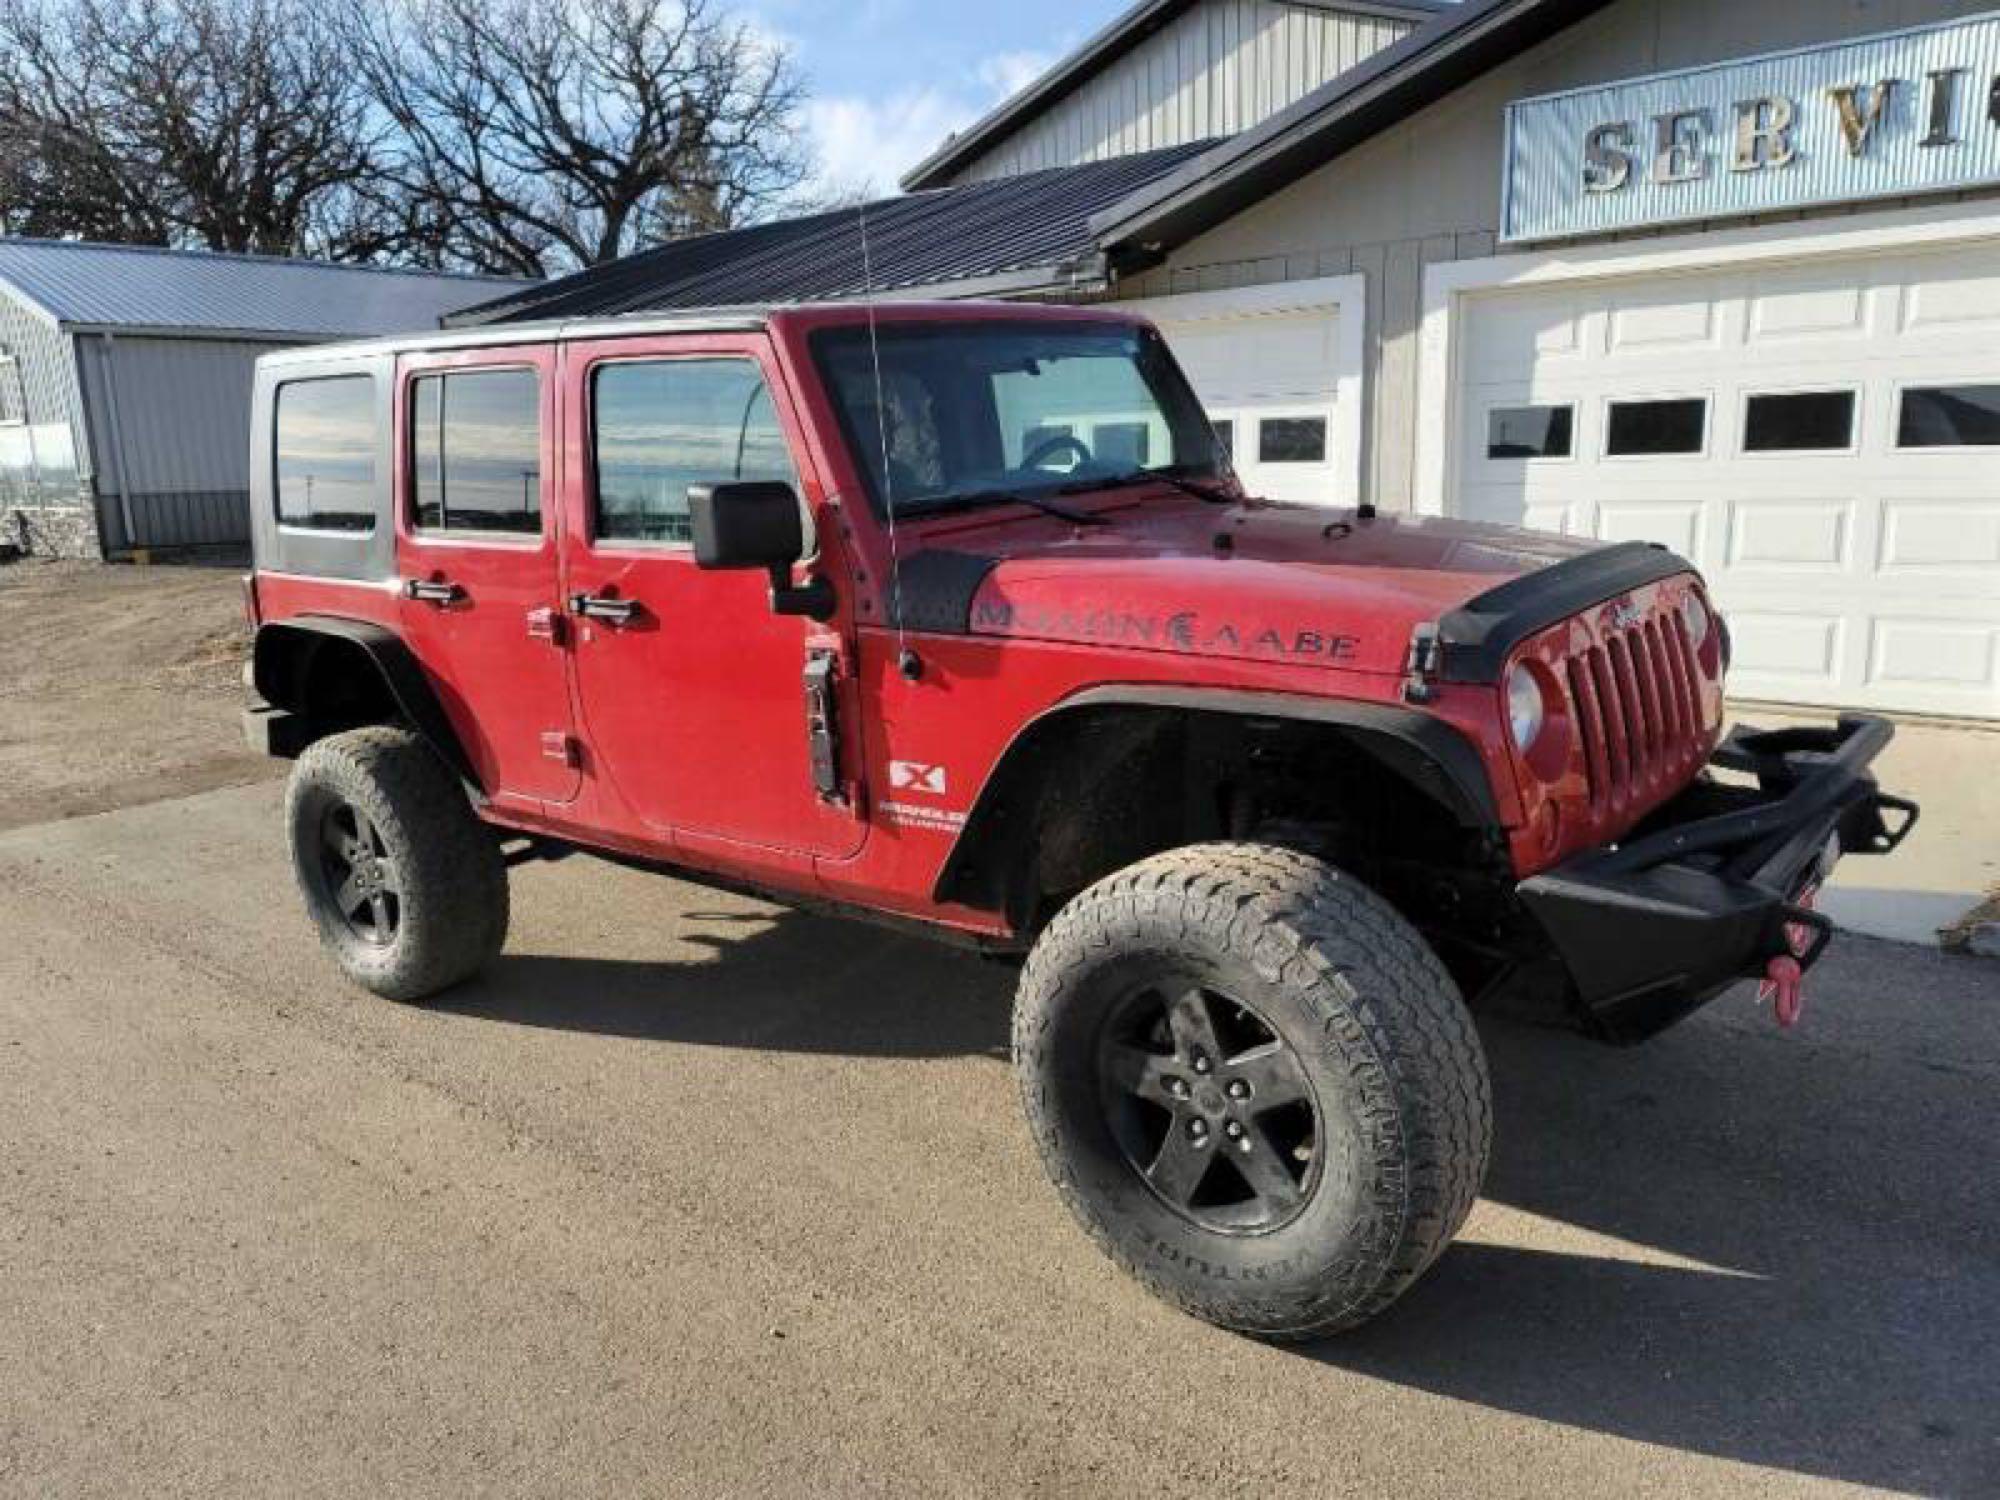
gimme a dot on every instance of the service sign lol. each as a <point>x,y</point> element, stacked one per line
<point>1886,117</point>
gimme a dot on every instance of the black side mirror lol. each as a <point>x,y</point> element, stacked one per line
<point>757,525</point>
<point>746,525</point>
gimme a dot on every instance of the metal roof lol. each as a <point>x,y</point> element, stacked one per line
<point>1021,234</point>
<point>1092,58</point>
<point>135,287</point>
<point>1460,44</point>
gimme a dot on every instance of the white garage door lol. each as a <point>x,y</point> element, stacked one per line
<point>1278,373</point>
<point>1823,439</point>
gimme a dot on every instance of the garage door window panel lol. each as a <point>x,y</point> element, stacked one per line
<point>1672,427</point>
<point>1800,421</point>
<point>1543,433</point>
<point>1292,440</point>
<point>1949,416</point>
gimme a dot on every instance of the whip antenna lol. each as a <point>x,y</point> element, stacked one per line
<point>906,659</point>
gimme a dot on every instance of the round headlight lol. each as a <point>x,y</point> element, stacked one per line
<point>1694,611</point>
<point>1527,709</point>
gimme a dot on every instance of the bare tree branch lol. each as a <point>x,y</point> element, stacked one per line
<point>230,124</point>
<point>519,136</point>
<point>535,136</point>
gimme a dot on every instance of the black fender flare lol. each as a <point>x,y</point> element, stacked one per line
<point>1436,759</point>
<point>402,674</point>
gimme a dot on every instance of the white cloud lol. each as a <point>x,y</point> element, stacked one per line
<point>1009,72</point>
<point>870,143</point>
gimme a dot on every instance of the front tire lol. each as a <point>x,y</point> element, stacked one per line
<point>1254,1085</point>
<point>406,886</point>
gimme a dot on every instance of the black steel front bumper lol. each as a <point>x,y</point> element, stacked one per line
<point>1702,894</point>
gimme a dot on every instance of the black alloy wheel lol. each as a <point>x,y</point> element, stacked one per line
<point>1255,1086</point>
<point>363,877</point>
<point>1211,1108</point>
<point>404,882</point>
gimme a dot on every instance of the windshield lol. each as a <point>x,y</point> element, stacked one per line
<point>975,413</point>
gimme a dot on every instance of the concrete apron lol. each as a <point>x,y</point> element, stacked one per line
<point>1942,885</point>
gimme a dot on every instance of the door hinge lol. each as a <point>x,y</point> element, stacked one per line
<point>822,730</point>
<point>561,748</point>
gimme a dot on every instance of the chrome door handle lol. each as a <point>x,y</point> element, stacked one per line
<point>432,591</point>
<point>610,611</point>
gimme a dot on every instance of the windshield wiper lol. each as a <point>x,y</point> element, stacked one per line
<point>1192,487</point>
<point>937,504</point>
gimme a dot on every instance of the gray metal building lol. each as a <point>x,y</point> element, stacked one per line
<point>125,376</point>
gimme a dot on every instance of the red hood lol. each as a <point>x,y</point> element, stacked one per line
<point>1255,582</point>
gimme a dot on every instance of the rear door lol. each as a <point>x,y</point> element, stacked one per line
<point>477,536</point>
<point>694,702</point>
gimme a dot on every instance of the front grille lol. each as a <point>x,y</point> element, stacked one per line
<point>1636,696</point>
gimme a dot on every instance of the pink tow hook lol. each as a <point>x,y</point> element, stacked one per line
<point>1785,986</point>
<point>1784,979</point>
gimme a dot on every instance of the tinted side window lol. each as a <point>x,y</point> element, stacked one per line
<point>1954,416</point>
<point>476,451</point>
<point>663,426</point>
<point>326,453</point>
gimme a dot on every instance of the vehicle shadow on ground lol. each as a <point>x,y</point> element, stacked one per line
<point>788,982</point>
<point>1832,1210</point>
<point>1781,1252</point>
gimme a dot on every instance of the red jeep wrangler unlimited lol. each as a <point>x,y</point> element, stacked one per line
<point>957,616</point>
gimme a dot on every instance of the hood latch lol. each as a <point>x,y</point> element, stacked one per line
<point>1426,655</point>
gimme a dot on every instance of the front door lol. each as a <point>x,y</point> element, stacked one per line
<point>477,529</point>
<point>692,690</point>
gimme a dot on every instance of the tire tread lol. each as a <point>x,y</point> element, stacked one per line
<point>1307,925</point>
<point>456,882</point>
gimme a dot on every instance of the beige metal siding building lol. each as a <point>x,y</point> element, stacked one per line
<point>1801,323</point>
<point>1169,75</point>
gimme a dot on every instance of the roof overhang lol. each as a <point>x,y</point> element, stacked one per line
<point>208,335</point>
<point>18,294</point>
<point>1380,92</point>
<point>1099,53</point>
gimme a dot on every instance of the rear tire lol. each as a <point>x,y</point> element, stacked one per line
<point>1255,1086</point>
<point>406,885</point>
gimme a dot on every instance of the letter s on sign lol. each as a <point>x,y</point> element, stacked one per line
<point>1607,158</point>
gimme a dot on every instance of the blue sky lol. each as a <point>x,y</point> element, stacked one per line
<point>891,78</point>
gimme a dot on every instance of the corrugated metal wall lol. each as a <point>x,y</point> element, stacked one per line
<point>1429,190</point>
<point>171,435</point>
<point>1216,70</point>
<point>39,459</point>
